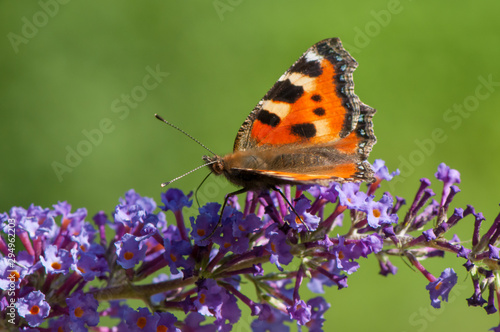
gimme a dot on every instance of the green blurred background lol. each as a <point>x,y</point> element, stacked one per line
<point>67,71</point>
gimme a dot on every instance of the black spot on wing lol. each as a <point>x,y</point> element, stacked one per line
<point>320,111</point>
<point>316,98</point>
<point>268,118</point>
<point>309,68</point>
<point>284,91</point>
<point>305,130</point>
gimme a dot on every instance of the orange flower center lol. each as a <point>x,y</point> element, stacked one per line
<point>14,276</point>
<point>56,265</point>
<point>35,310</point>
<point>128,255</point>
<point>141,322</point>
<point>64,223</point>
<point>173,258</point>
<point>78,312</point>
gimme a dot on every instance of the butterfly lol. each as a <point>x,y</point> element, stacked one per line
<point>310,128</point>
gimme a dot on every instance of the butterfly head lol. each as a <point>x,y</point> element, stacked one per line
<point>215,163</point>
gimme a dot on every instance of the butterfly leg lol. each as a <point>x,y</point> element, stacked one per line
<point>237,192</point>
<point>291,206</point>
<point>198,188</point>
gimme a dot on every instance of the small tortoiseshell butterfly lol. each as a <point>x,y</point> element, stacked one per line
<point>310,128</point>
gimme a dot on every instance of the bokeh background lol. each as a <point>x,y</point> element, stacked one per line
<point>81,70</point>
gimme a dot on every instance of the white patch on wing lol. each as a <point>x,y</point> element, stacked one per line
<point>278,108</point>
<point>322,127</point>
<point>282,77</point>
<point>313,56</point>
<point>306,82</point>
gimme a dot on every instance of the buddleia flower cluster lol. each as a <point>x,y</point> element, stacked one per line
<point>61,271</point>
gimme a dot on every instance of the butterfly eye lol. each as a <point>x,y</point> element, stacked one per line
<point>218,167</point>
<point>216,163</point>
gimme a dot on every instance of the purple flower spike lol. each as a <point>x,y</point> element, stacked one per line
<point>278,247</point>
<point>56,261</point>
<point>205,223</point>
<point>82,310</point>
<point>399,203</point>
<point>166,322</point>
<point>377,213</point>
<point>427,214</point>
<point>428,193</point>
<point>381,171</point>
<point>448,176</point>
<point>463,252</point>
<point>270,319</point>
<point>442,287</point>
<point>33,308</point>
<point>175,254</point>
<point>424,184</point>
<point>302,204</point>
<point>144,203</point>
<point>141,320</point>
<point>175,200</point>
<point>493,252</point>
<point>458,214</point>
<point>211,265</point>
<point>468,265</point>
<point>386,267</point>
<point>490,307</point>
<point>350,196</point>
<point>452,192</point>
<point>477,225</point>
<point>318,307</point>
<point>476,300</point>
<point>130,251</point>
<point>300,311</point>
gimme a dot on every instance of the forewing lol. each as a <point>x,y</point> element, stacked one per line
<point>313,102</point>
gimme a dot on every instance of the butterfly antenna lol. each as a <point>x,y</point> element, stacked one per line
<point>182,131</point>
<point>164,184</point>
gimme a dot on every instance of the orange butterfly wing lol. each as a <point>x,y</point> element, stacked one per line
<point>309,128</point>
